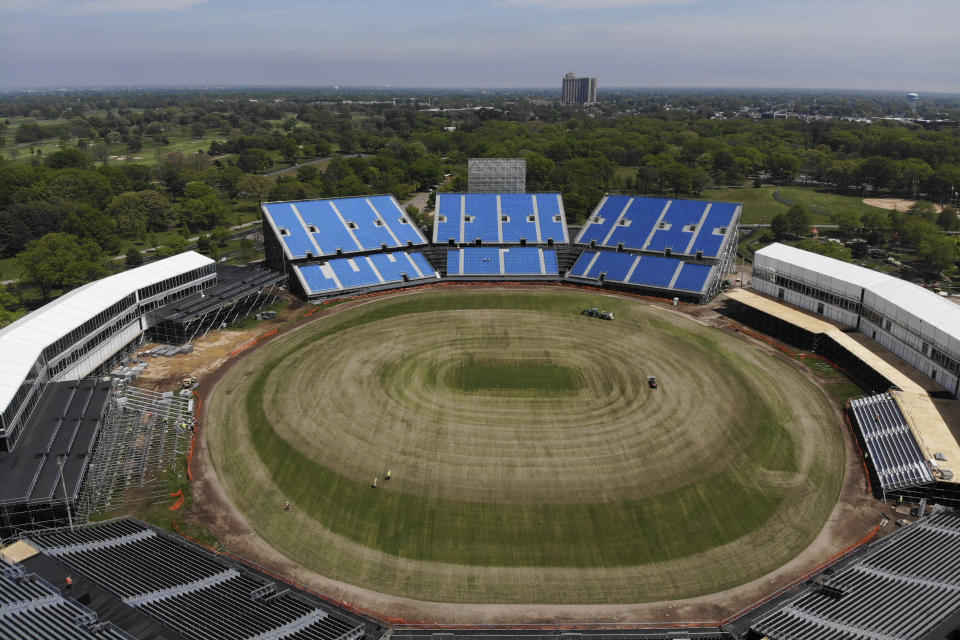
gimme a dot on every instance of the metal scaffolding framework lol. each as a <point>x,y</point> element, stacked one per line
<point>141,437</point>
<point>496,175</point>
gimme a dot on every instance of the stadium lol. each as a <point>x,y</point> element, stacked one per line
<point>453,441</point>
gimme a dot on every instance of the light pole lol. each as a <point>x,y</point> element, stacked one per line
<point>63,483</point>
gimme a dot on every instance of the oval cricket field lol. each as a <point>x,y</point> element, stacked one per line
<point>531,462</point>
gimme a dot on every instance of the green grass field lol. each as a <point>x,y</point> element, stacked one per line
<point>530,461</point>
<point>760,207</point>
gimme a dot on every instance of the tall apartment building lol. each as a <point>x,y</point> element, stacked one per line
<point>578,90</point>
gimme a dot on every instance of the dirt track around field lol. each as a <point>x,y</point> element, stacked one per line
<point>853,515</point>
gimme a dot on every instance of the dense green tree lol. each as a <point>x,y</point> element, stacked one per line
<point>255,187</point>
<point>938,251</point>
<point>254,161</point>
<point>10,308</point>
<point>780,226</point>
<point>799,219</point>
<point>89,223</point>
<point>201,208</point>
<point>134,258</point>
<point>68,158</point>
<point>847,222</point>
<point>825,248</point>
<point>948,219</point>
<point>61,261</point>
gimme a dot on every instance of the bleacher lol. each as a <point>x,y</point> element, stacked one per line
<point>903,587</point>
<point>187,589</point>
<point>682,227</point>
<point>504,218</point>
<point>345,275</point>
<point>893,450</point>
<point>655,272</point>
<point>497,262</point>
<point>32,609</point>
<point>341,226</point>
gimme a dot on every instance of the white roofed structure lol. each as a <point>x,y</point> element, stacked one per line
<point>100,310</point>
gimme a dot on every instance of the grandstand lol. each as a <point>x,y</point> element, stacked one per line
<point>891,446</point>
<point>344,246</point>
<point>499,219</point>
<point>132,572</point>
<point>515,263</point>
<point>904,586</point>
<point>33,609</point>
<point>659,246</point>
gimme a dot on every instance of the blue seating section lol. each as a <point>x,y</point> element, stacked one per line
<point>516,261</point>
<point>643,270</point>
<point>656,224</point>
<point>349,225</point>
<point>720,217</point>
<point>654,271</point>
<point>292,232</point>
<point>349,274</point>
<point>637,223</point>
<point>505,218</point>
<point>693,277</point>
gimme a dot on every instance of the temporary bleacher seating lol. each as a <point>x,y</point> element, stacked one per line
<point>342,226</point>
<point>186,588</point>
<point>341,275</point>
<point>903,587</point>
<point>500,218</point>
<point>657,272</point>
<point>893,450</point>
<point>499,262</point>
<point>682,227</point>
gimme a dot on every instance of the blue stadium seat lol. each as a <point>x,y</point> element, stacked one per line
<point>354,272</point>
<point>367,226</point>
<point>518,208</point>
<point>614,266</point>
<point>693,277</point>
<point>550,217</point>
<point>680,215</point>
<point>720,217</point>
<point>655,271</point>
<point>331,234</point>
<point>403,227</point>
<point>522,261</point>
<point>482,207</point>
<point>453,262</point>
<point>640,218</point>
<point>550,261</point>
<point>316,280</point>
<point>448,217</point>
<point>296,238</point>
<point>394,266</point>
<point>601,222</point>
<point>481,261</point>
<point>421,261</point>
<point>583,262</point>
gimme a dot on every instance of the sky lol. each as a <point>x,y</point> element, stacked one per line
<point>910,45</point>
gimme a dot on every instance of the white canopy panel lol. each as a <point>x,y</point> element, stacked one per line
<point>22,342</point>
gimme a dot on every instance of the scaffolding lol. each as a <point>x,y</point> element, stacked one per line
<point>496,175</point>
<point>142,435</point>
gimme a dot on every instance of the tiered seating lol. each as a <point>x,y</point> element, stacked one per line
<point>671,274</point>
<point>894,452</point>
<point>491,261</point>
<point>31,609</point>
<point>505,218</point>
<point>906,585</point>
<point>685,227</point>
<point>350,274</point>
<point>316,228</point>
<point>187,589</point>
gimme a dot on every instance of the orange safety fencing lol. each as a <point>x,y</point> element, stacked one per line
<point>193,438</point>
<point>311,312</point>
<point>249,343</point>
<point>179,503</point>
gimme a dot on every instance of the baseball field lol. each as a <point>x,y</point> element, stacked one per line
<point>530,460</point>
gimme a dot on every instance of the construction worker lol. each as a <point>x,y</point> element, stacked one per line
<point>389,474</point>
<point>286,506</point>
<point>69,583</point>
<point>374,482</point>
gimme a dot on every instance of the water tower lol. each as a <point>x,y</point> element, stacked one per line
<point>913,98</point>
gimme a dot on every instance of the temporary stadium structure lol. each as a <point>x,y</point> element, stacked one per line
<point>657,245</point>
<point>346,246</point>
<point>141,582</point>
<point>69,338</point>
<point>343,246</point>
<point>912,322</point>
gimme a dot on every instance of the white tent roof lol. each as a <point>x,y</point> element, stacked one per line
<point>22,342</point>
<point>912,299</point>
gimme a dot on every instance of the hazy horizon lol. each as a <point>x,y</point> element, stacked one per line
<point>868,45</point>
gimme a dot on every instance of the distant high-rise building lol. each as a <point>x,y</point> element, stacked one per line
<point>578,90</point>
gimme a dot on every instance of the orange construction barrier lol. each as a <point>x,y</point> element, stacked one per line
<point>179,503</point>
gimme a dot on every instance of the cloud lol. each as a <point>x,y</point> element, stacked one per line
<point>574,5</point>
<point>86,7</point>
